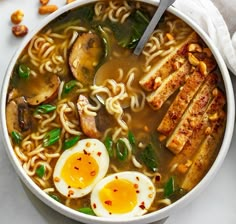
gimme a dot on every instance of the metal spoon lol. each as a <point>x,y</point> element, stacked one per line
<point>164,4</point>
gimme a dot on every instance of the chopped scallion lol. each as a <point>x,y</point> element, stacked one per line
<point>87,210</point>
<point>51,137</point>
<point>169,187</point>
<point>70,142</point>
<point>45,108</point>
<point>16,136</point>
<point>23,71</point>
<point>69,86</point>
<point>55,197</point>
<point>40,171</point>
<point>131,138</point>
<point>121,150</point>
<point>109,146</point>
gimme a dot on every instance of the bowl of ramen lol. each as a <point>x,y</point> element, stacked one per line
<point>100,134</point>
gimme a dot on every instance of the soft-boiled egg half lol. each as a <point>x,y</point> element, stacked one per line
<point>79,168</point>
<point>124,194</point>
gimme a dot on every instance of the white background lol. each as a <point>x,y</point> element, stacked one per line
<point>217,204</point>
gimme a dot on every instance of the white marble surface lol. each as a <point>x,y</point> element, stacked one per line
<point>217,204</point>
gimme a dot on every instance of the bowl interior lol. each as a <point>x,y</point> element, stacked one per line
<point>153,216</point>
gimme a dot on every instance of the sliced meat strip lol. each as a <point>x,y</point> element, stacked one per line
<point>192,116</point>
<point>165,67</point>
<point>168,86</point>
<point>87,121</point>
<point>205,127</point>
<point>205,155</point>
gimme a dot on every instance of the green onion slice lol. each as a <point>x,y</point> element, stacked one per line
<point>121,150</point>
<point>55,197</point>
<point>23,71</point>
<point>40,171</point>
<point>169,187</point>
<point>109,143</point>
<point>69,86</point>
<point>51,137</point>
<point>45,108</point>
<point>131,138</point>
<point>87,210</point>
<point>70,142</point>
<point>16,136</point>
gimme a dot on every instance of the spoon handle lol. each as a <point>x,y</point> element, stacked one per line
<point>163,5</point>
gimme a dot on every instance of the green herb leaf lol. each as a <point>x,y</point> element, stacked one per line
<point>40,171</point>
<point>70,142</point>
<point>16,136</point>
<point>23,71</point>
<point>169,187</point>
<point>51,137</point>
<point>149,158</point>
<point>87,211</point>
<point>45,108</point>
<point>109,146</point>
<point>121,150</point>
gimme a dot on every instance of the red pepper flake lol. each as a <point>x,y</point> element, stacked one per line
<point>79,159</point>
<point>93,173</point>
<point>115,190</point>
<point>70,192</point>
<point>135,186</point>
<point>137,191</point>
<point>94,205</point>
<point>76,168</point>
<point>108,202</point>
<point>99,153</point>
<point>85,152</point>
<point>142,206</point>
<point>69,186</point>
<point>158,178</point>
<point>137,178</point>
<point>116,177</point>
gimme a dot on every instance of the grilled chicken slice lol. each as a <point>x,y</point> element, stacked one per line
<point>168,86</point>
<point>207,124</point>
<point>205,155</point>
<point>192,116</point>
<point>180,103</point>
<point>85,55</point>
<point>184,97</point>
<point>87,121</point>
<point>165,67</point>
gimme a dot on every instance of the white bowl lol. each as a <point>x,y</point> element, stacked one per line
<point>154,216</point>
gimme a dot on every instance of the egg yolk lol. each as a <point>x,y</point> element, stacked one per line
<point>79,170</point>
<point>119,196</point>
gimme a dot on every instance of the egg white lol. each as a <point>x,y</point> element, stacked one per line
<point>145,196</point>
<point>95,149</point>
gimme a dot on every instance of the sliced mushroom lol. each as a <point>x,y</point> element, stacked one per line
<point>85,55</point>
<point>87,121</point>
<point>47,91</point>
<point>18,116</point>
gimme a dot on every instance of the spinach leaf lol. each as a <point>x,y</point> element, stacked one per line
<point>129,33</point>
<point>149,158</point>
